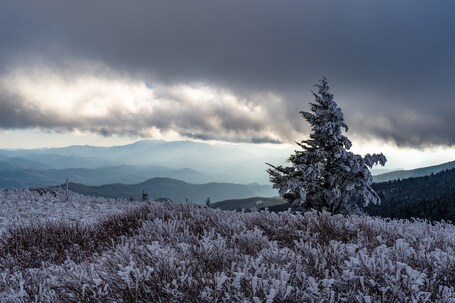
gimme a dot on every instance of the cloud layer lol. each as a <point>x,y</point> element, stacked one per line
<point>230,70</point>
<point>112,104</point>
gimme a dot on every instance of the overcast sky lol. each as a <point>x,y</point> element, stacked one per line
<point>237,71</point>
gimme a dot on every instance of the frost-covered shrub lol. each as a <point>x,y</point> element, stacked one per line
<point>19,206</point>
<point>184,253</point>
<point>55,241</point>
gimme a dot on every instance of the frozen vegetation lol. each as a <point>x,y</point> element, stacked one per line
<point>22,207</point>
<point>84,249</point>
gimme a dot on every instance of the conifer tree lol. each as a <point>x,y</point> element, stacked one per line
<point>145,196</point>
<point>325,175</point>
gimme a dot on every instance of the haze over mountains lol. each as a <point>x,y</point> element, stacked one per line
<point>94,176</point>
<point>178,170</point>
<point>184,160</point>
<point>176,190</point>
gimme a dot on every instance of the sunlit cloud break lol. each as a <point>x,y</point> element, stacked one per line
<point>97,100</point>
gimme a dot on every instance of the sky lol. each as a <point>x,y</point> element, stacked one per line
<point>112,72</point>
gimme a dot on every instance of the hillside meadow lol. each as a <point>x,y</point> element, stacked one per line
<point>58,248</point>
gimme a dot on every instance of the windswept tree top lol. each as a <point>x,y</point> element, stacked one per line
<point>325,175</point>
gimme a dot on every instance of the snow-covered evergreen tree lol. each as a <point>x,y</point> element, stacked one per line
<point>325,175</point>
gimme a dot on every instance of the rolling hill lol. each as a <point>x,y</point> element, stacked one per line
<point>127,174</point>
<point>419,172</point>
<point>18,163</point>
<point>176,190</point>
<point>430,197</point>
<point>220,163</point>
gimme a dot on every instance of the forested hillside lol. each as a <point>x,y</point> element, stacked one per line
<point>413,173</point>
<point>431,197</point>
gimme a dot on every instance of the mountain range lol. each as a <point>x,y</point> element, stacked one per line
<point>94,176</point>
<point>179,170</point>
<point>176,190</point>
<point>194,162</point>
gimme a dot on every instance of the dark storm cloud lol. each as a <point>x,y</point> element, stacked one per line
<point>391,64</point>
<point>112,105</point>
